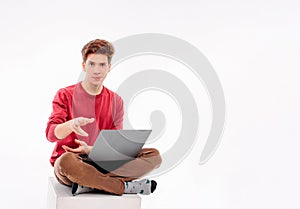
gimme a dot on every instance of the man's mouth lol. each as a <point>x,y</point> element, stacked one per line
<point>96,78</point>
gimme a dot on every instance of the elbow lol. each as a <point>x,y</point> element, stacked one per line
<point>50,135</point>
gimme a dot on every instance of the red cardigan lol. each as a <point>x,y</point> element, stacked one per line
<point>73,101</point>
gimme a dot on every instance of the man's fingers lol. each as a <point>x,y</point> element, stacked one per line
<point>80,132</point>
<point>81,143</point>
<point>85,121</point>
<point>81,121</point>
<point>90,120</point>
<point>77,141</point>
<point>66,148</point>
<point>69,149</point>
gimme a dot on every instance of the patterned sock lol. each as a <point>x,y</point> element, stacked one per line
<point>77,189</point>
<point>144,186</point>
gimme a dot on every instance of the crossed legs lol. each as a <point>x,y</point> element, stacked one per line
<point>70,167</point>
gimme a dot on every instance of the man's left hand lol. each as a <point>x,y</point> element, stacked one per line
<point>83,148</point>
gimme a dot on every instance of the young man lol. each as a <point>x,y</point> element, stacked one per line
<point>79,113</point>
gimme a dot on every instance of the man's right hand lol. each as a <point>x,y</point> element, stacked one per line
<point>62,130</point>
<point>78,122</point>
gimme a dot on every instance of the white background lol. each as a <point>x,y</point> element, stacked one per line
<point>254,48</point>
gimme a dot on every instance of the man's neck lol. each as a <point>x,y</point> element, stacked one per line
<point>91,89</point>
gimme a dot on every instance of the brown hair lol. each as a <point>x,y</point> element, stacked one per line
<point>98,46</point>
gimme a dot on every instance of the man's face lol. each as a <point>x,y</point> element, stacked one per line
<point>96,68</point>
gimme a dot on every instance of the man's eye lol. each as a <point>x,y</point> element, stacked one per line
<point>102,64</point>
<point>92,64</point>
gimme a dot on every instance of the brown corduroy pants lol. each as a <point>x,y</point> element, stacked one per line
<point>70,167</point>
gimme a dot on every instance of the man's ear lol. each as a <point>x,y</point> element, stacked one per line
<point>83,66</point>
<point>109,65</point>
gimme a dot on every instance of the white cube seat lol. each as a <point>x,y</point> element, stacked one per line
<point>60,197</point>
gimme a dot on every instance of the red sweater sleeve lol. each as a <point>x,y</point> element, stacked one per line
<point>59,115</point>
<point>117,112</point>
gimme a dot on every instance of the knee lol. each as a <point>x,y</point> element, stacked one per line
<point>158,158</point>
<point>154,156</point>
<point>66,160</point>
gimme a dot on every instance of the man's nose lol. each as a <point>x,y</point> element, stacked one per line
<point>97,69</point>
